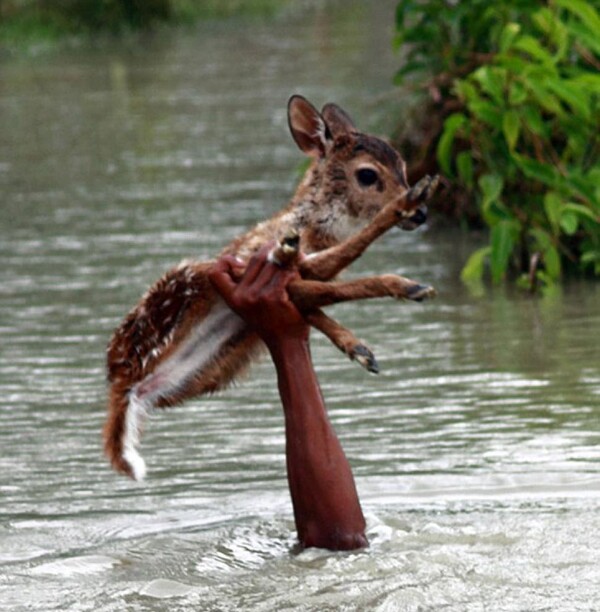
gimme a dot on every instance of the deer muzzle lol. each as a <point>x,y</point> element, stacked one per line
<point>412,220</point>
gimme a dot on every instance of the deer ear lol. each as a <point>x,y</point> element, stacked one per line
<point>307,126</point>
<point>338,121</point>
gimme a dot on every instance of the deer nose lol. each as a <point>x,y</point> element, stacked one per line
<point>419,216</point>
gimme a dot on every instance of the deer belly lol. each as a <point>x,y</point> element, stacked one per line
<point>195,353</point>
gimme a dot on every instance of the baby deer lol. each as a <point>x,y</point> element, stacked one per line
<point>181,340</point>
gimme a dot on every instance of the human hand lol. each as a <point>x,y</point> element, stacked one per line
<point>259,296</point>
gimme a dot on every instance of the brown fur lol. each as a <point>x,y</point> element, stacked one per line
<point>335,216</point>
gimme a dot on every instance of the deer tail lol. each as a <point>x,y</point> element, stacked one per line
<point>122,431</point>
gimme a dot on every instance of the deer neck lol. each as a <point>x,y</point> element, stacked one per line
<point>321,215</point>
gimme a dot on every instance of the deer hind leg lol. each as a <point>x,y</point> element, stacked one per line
<point>343,339</point>
<point>310,294</point>
<point>201,363</point>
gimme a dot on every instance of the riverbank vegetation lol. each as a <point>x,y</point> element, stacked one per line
<point>35,22</point>
<point>510,111</point>
<point>511,118</point>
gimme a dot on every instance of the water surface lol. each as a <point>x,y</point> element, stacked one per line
<point>475,450</point>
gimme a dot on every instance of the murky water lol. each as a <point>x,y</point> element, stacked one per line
<point>476,451</point>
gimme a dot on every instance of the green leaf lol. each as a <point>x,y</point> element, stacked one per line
<point>511,126</point>
<point>464,165</point>
<point>517,94</point>
<point>491,187</point>
<point>552,262</point>
<point>582,211</point>
<point>573,95</point>
<point>486,112</point>
<point>584,10</point>
<point>473,269</point>
<point>444,149</point>
<point>536,84</point>
<point>553,206</point>
<point>545,173</point>
<point>584,35</point>
<point>550,24</point>
<point>513,63</point>
<point>532,120</point>
<point>542,239</point>
<point>589,81</point>
<point>491,79</point>
<point>502,242</point>
<point>466,91</point>
<point>508,35</point>
<point>591,257</point>
<point>532,47</point>
<point>585,187</point>
<point>569,223</point>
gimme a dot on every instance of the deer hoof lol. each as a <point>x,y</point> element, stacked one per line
<point>424,189</point>
<point>433,185</point>
<point>365,358</point>
<point>291,242</point>
<point>419,293</point>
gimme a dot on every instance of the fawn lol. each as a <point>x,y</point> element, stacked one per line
<point>182,341</point>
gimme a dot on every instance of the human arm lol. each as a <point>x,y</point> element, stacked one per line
<point>326,506</point>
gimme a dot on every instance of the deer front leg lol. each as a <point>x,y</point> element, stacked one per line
<point>310,294</point>
<point>343,339</point>
<point>327,264</point>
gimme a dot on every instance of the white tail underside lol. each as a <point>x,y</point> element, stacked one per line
<point>203,344</point>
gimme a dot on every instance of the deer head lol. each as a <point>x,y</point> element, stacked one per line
<point>353,174</point>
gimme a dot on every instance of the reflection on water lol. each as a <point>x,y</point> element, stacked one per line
<point>475,450</point>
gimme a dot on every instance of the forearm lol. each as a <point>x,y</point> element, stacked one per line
<point>326,505</point>
<point>297,381</point>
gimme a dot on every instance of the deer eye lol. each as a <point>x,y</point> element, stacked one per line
<point>366,177</point>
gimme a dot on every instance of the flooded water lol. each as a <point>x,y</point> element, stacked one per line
<point>476,450</point>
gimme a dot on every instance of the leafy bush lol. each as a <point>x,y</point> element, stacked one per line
<point>523,139</point>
